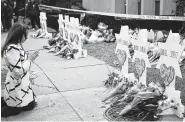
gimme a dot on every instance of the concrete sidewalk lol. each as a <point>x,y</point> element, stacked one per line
<point>69,90</point>
<point>66,90</point>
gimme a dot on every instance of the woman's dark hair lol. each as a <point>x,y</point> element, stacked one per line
<point>15,35</point>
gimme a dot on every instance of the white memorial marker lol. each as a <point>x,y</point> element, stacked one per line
<point>169,69</point>
<point>122,53</point>
<point>61,25</point>
<point>75,37</point>
<point>173,38</point>
<point>82,52</point>
<point>122,50</point>
<point>43,22</point>
<point>140,57</point>
<point>159,35</point>
<point>41,19</point>
<point>170,35</point>
<point>78,33</point>
<point>71,29</point>
<point>66,30</point>
<point>151,36</point>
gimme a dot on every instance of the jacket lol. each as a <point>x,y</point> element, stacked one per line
<point>7,11</point>
<point>33,9</point>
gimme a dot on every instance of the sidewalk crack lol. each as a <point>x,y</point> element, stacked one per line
<point>43,86</point>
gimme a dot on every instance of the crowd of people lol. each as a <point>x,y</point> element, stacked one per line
<point>11,11</point>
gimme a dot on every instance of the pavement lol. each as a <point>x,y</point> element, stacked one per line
<point>66,90</point>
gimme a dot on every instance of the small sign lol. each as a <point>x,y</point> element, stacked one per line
<point>173,50</point>
<point>141,44</point>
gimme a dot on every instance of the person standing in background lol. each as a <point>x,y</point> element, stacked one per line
<point>11,3</point>
<point>7,14</point>
<point>2,16</point>
<point>15,12</point>
<point>33,13</point>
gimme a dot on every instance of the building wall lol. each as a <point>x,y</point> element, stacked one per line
<point>167,6</point>
<point>100,5</point>
<point>132,7</point>
<point>148,7</point>
<point>120,6</point>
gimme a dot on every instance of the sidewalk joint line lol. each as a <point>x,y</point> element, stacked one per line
<point>42,108</point>
<point>59,92</point>
<point>48,93</point>
<point>81,89</point>
<point>84,66</point>
<point>76,67</point>
<point>38,85</point>
<point>108,68</point>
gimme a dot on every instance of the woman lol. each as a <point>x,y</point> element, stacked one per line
<point>18,94</point>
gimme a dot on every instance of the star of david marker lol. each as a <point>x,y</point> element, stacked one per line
<point>140,57</point>
<point>122,53</point>
<point>169,68</point>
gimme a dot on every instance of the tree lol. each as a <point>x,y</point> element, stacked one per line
<point>180,11</point>
<point>52,2</point>
<point>45,2</point>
